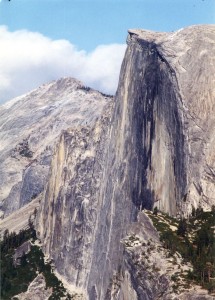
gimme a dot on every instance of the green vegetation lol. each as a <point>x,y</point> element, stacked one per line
<point>15,279</point>
<point>194,239</point>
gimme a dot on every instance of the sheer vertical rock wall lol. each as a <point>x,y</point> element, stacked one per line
<point>157,150</point>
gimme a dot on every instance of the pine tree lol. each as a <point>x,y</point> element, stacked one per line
<point>23,260</point>
<point>155,211</point>
<point>182,227</point>
<point>193,211</point>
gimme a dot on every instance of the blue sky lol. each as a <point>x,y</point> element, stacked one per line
<point>43,40</point>
<point>89,23</point>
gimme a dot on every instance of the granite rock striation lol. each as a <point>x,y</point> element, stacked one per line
<point>154,146</point>
<point>30,126</point>
<point>156,149</point>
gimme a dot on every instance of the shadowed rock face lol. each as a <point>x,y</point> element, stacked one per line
<point>148,128</point>
<point>145,160</point>
<point>158,150</point>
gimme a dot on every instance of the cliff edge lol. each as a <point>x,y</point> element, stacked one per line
<point>181,160</point>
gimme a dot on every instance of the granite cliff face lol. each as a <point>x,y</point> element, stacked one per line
<point>95,164</point>
<point>157,149</point>
<point>174,83</point>
<point>30,126</point>
<point>70,208</point>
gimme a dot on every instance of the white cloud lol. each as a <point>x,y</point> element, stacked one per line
<point>28,59</point>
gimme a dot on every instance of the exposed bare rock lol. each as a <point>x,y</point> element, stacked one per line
<point>29,127</point>
<point>70,208</point>
<point>150,271</point>
<point>158,151</point>
<point>181,164</point>
<point>18,220</point>
<point>36,291</point>
<point>25,248</point>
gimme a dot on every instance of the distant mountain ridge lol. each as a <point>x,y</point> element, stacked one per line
<point>30,125</point>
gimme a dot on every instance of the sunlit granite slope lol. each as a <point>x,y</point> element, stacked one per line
<point>29,127</point>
